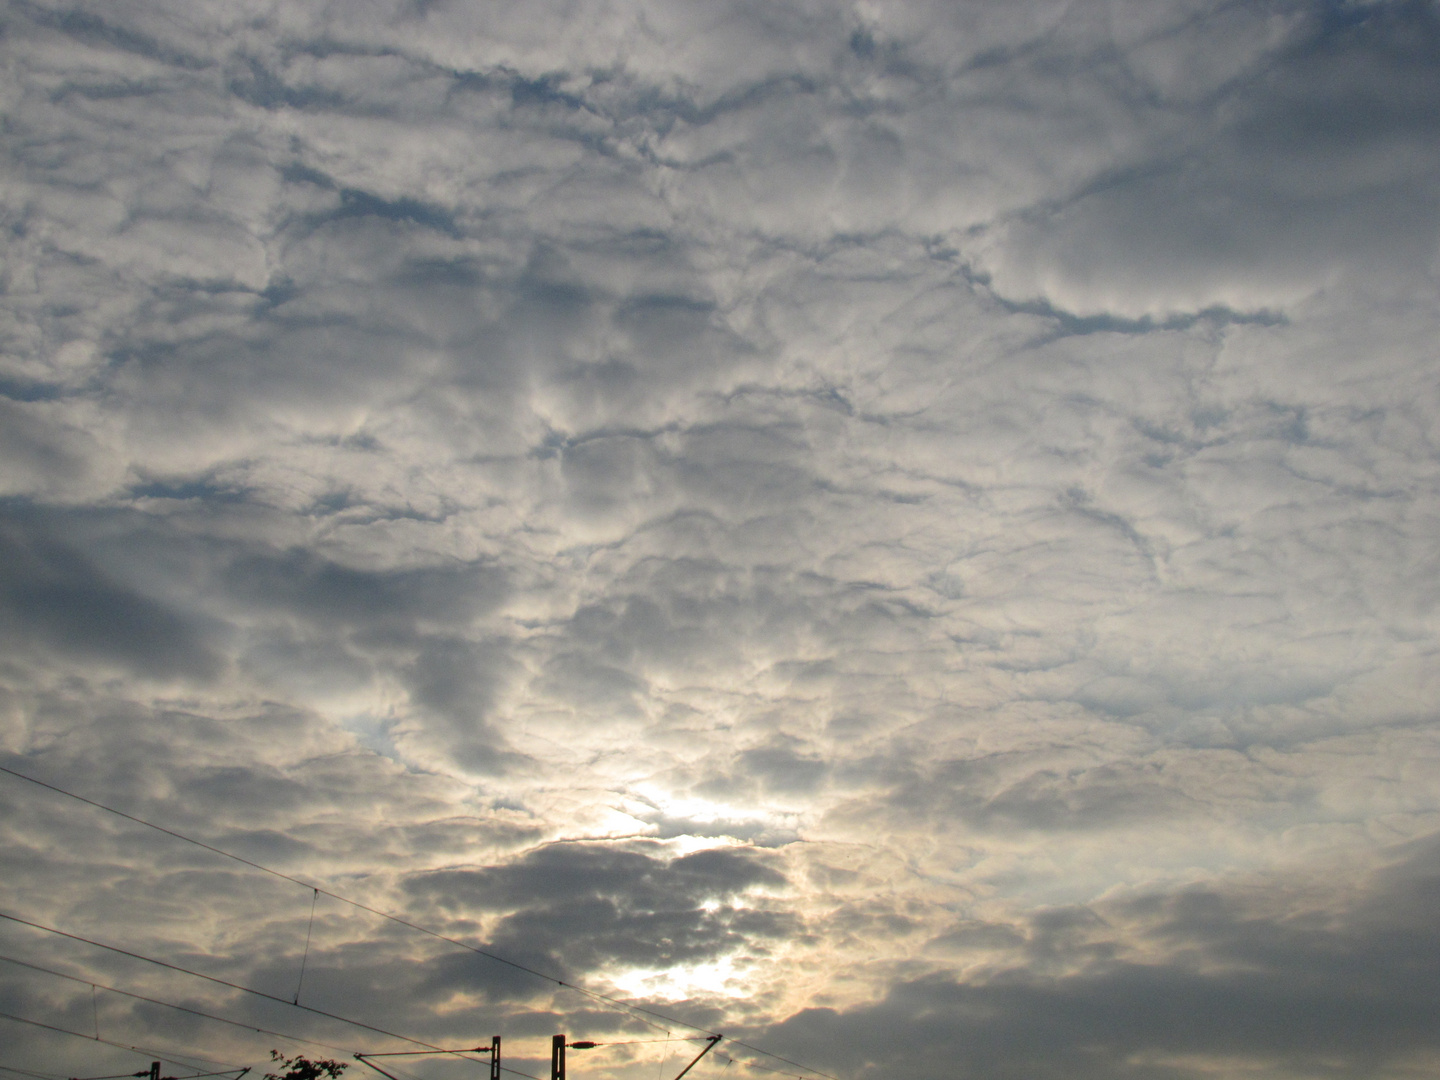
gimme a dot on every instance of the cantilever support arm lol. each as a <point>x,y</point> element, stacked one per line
<point>709,1045</point>
<point>364,1061</point>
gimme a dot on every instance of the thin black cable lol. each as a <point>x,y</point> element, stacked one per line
<point>315,899</point>
<point>593,994</point>
<point>418,1053</point>
<point>147,1052</point>
<point>596,995</point>
<point>27,1072</point>
<point>777,1057</point>
<point>220,982</point>
<point>126,1076</point>
<point>225,1020</point>
<point>182,1008</point>
<point>364,1060</point>
<point>761,1068</point>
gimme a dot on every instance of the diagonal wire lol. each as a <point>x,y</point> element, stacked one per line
<point>759,1068</point>
<point>224,1020</point>
<point>172,1005</point>
<point>365,1060</point>
<point>108,1042</point>
<point>777,1057</point>
<point>593,994</point>
<point>217,981</point>
<point>197,1076</point>
<point>27,1072</point>
<point>306,954</point>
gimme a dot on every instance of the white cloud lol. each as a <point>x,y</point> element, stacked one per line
<point>952,463</point>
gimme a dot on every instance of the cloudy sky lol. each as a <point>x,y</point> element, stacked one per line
<point>906,533</point>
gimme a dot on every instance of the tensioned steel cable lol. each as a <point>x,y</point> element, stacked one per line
<point>777,1057</point>
<point>122,1046</point>
<point>198,1076</point>
<point>172,1005</point>
<point>232,986</point>
<point>593,994</point>
<point>27,1072</point>
<point>751,1065</point>
<point>218,981</point>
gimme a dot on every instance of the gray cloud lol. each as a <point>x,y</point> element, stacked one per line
<point>52,595</point>
<point>1315,167</point>
<point>763,508</point>
<point>1232,983</point>
<point>576,907</point>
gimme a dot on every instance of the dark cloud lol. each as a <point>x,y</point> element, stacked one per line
<point>764,507</point>
<point>36,454</point>
<point>1317,165</point>
<point>1235,985</point>
<point>780,766</point>
<point>331,594</point>
<point>629,875</point>
<point>52,596</point>
<point>1001,794</point>
<point>456,682</point>
<point>577,907</point>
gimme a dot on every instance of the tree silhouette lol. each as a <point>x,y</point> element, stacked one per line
<point>302,1068</point>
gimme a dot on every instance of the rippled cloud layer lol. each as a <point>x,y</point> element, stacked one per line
<point>902,533</point>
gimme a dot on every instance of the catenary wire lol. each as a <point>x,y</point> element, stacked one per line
<point>182,1008</point>
<point>27,1072</point>
<point>752,1065</point>
<point>197,1076</point>
<point>412,1076</point>
<point>777,1057</point>
<point>146,1051</point>
<point>503,1068</point>
<point>222,982</point>
<point>593,994</point>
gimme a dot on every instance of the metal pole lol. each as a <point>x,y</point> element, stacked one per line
<point>557,1058</point>
<point>495,1057</point>
<point>154,1070</point>
<point>710,1045</point>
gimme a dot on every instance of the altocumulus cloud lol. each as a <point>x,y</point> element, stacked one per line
<point>901,532</point>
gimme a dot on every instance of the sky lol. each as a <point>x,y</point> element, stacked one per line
<point>906,534</point>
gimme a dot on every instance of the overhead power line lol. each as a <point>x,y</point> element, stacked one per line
<point>777,1057</point>
<point>216,980</point>
<point>759,1068</point>
<point>241,1024</point>
<point>318,891</point>
<point>172,1005</point>
<point>170,1057</point>
<point>27,1072</point>
<point>594,995</point>
<point>221,982</point>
